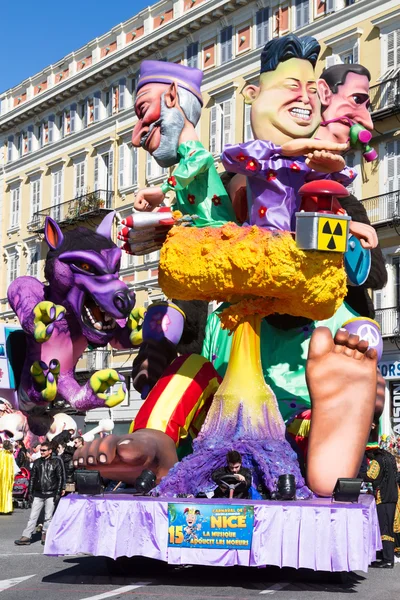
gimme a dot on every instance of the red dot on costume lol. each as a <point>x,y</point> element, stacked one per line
<point>295,167</point>
<point>241,157</point>
<point>262,211</point>
<point>271,175</point>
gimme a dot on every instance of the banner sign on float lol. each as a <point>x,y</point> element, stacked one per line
<point>395,407</point>
<point>210,526</point>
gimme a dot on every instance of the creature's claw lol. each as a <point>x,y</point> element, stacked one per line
<point>46,377</point>
<point>45,315</point>
<point>135,323</point>
<point>102,380</point>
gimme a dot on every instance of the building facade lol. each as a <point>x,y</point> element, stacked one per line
<point>65,135</point>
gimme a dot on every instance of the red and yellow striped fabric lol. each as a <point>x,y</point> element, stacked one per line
<point>180,399</point>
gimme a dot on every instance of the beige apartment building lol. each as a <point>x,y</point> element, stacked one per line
<point>65,134</point>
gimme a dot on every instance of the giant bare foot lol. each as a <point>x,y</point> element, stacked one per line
<point>341,376</point>
<point>123,457</point>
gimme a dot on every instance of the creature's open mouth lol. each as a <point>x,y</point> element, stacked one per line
<point>94,317</point>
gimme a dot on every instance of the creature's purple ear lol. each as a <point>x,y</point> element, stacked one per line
<point>105,227</point>
<point>52,234</point>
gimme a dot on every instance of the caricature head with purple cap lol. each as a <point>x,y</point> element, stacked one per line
<point>168,107</point>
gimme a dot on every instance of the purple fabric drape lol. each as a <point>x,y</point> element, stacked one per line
<point>315,534</point>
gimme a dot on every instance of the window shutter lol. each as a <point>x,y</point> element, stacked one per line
<point>110,174</point>
<point>121,95</point>
<point>51,129</point>
<point>30,138</point>
<point>248,133</point>
<point>96,173</point>
<point>148,166</point>
<point>213,129</point>
<point>397,46</point>
<point>223,47</point>
<point>10,148</point>
<point>356,53</point>
<point>227,123</point>
<point>134,165</point>
<point>330,6</point>
<point>96,107</point>
<point>390,49</point>
<point>121,166</point>
<point>299,15</point>
<point>259,28</point>
<point>72,118</point>
<point>229,50</point>
<point>390,161</point>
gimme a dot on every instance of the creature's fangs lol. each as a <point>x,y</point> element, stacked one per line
<point>96,318</point>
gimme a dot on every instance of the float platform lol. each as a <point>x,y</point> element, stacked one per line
<point>316,534</point>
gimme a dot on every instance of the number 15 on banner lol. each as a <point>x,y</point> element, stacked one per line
<point>175,534</point>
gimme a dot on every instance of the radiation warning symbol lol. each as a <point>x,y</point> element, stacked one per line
<point>332,234</point>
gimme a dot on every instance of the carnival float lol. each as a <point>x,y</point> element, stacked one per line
<point>286,246</point>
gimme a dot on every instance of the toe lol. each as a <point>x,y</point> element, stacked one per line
<point>321,343</point>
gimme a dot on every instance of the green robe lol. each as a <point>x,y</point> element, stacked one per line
<point>198,187</point>
<point>283,356</point>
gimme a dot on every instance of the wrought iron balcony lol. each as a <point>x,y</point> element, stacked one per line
<point>383,209</point>
<point>388,319</point>
<point>385,98</point>
<point>77,209</point>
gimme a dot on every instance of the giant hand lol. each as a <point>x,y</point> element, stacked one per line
<point>123,457</point>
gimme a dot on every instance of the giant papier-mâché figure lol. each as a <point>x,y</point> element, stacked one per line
<point>242,266</point>
<point>83,303</point>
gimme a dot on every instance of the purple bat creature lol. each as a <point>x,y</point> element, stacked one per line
<point>84,302</point>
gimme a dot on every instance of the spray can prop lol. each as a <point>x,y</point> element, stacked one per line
<point>359,140</point>
<point>163,320</point>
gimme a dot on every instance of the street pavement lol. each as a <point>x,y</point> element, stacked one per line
<point>25,574</point>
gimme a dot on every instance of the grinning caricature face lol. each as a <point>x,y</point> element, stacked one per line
<point>159,125</point>
<point>286,105</point>
<point>351,101</point>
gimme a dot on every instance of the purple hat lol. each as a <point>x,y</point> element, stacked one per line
<point>158,71</point>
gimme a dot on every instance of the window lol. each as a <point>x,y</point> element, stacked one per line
<point>108,103</point>
<point>226,44</point>
<point>19,145</point>
<point>39,135</point>
<point>80,179</point>
<point>56,199</point>
<point>247,133</point>
<point>12,266</point>
<point>127,165</point>
<point>302,13</point>
<point>330,6</point>
<point>262,24</point>
<point>152,257</point>
<point>61,121</point>
<point>35,196</point>
<point>32,260</point>
<point>153,169</point>
<point>15,206</point>
<point>82,114</point>
<point>393,50</point>
<point>192,52</point>
<point>392,161</point>
<point>221,125</point>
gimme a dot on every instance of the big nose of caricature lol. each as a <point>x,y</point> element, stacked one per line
<point>123,302</point>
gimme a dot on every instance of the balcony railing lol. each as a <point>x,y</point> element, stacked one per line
<point>77,209</point>
<point>384,208</point>
<point>385,98</point>
<point>388,319</point>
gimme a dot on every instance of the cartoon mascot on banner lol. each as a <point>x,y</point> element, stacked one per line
<point>287,258</point>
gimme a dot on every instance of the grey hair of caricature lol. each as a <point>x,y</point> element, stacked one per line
<point>171,123</point>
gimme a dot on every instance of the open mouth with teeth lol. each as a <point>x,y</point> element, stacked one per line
<point>95,317</point>
<point>304,114</point>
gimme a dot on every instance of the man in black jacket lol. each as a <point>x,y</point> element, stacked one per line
<point>233,473</point>
<point>45,487</point>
